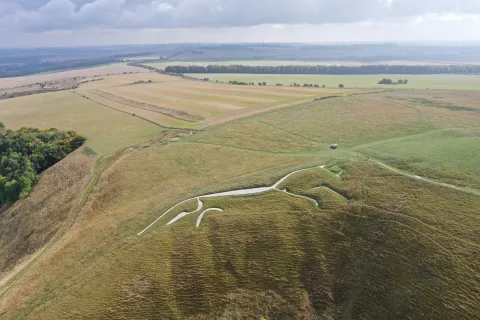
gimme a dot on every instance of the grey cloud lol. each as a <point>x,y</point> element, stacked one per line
<point>45,15</point>
<point>415,7</point>
<point>36,4</point>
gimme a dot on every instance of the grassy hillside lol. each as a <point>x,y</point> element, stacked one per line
<point>30,223</point>
<point>430,133</point>
<point>449,154</point>
<point>379,245</point>
<point>270,255</point>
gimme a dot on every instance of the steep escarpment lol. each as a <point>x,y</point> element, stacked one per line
<point>30,223</point>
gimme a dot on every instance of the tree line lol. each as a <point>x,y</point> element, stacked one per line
<point>16,70</point>
<point>390,81</point>
<point>263,83</point>
<point>26,152</point>
<point>324,69</point>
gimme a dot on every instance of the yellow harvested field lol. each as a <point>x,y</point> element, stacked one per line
<point>117,68</point>
<point>215,102</point>
<point>207,99</point>
<point>261,91</point>
<point>128,79</point>
<point>148,115</point>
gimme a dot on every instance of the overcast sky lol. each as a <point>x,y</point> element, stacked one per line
<point>103,22</point>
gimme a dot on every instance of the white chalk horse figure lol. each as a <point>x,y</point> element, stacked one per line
<point>240,192</point>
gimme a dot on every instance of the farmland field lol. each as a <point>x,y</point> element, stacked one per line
<point>106,130</point>
<point>117,68</point>
<point>161,98</point>
<point>384,227</point>
<point>442,81</point>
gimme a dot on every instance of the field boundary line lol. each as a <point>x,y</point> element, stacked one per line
<point>178,114</point>
<point>443,184</point>
<point>260,113</point>
<point>374,143</point>
<point>301,103</point>
<point>140,83</point>
<point>135,115</point>
<point>104,105</point>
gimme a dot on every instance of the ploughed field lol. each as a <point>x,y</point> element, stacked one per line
<point>384,227</point>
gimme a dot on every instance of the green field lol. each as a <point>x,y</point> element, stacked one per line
<point>348,238</point>
<point>106,130</point>
<point>441,81</point>
<point>448,155</point>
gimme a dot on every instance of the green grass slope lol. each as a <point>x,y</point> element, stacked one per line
<point>450,155</point>
<point>387,253</point>
<point>430,133</point>
<point>380,244</point>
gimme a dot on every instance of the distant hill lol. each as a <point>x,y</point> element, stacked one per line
<point>18,62</point>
